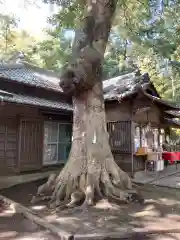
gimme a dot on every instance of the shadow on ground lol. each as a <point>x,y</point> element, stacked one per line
<point>158,218</point>
<point>14,226</point>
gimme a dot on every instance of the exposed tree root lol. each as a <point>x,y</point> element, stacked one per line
<point>45,191</point>
<point>83,188</point>
<point>91,172</point>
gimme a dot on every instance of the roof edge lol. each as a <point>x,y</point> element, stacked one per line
<point>161,101</point>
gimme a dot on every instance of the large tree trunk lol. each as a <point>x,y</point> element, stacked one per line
<point>91,172</point>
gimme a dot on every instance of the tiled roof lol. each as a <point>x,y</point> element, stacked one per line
<point>122,86</point>
<point>171,105</point>
<point>174,122</point>
<point>174,113</point>
<point>28,74</point>
<point>31,75</point>
<point>119,87</point>
<point>113,89</point>
<point>35,101</point>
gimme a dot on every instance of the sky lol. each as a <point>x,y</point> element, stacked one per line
<point>31,17</point>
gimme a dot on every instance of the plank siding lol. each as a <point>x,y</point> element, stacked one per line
<point>8,143</point>
<point>2,143</point>
<point>30,144</point>
<point>118,111</point>
<point>11,144</point>
<point>120,138</point>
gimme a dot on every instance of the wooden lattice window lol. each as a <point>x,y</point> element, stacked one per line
<point>120,136</point>
<point>57,142</point>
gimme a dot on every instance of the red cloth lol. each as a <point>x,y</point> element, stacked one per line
<point>171,156</point>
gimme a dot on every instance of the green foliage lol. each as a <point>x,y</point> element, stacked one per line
<point>13,41</point>
<point>7,25</point>
<point>145,34</point>
<point>55,52</point>
<point>153,46</point>
<point>133,38</point>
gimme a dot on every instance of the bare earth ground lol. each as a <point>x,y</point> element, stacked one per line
<point>159,215</point>
<point>14,226</point>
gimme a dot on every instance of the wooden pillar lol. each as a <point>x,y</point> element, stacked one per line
<point>132,149</point>
<point>132,141</point>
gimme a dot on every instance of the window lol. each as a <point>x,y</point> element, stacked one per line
<point>57,142</point>
<point>120,136</point>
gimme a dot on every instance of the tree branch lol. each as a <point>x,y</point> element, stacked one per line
<point>89,47</point>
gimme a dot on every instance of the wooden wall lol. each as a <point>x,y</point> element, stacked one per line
<point>30,144</point>
<point>124,161</point>
<point>11,135</point>
<point>151,115</point>
<point>8,145</point>
<point>14,110</point>
<point>16,87</point>
<point>124,112</point>
<point>22,135</point>
<point>118,111</point>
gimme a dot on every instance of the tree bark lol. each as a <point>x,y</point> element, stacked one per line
<point>91,172</point>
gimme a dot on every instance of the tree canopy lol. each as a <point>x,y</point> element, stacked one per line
<point>145,35</point>
<point>14,41</point>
